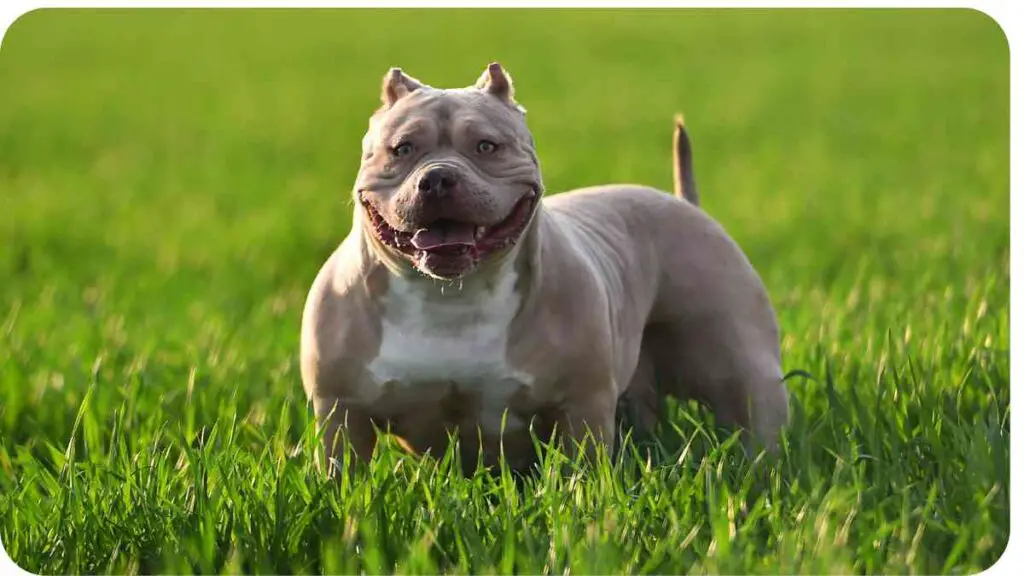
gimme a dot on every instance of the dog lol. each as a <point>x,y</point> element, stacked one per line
<point>462,303</point>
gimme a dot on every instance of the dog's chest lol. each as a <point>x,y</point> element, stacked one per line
<point>442,340</point>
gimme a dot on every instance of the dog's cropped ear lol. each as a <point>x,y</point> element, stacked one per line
<point>397,85</point>
<point>496,81</point>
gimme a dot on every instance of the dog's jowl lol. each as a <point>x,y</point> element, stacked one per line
<point>463,303</point>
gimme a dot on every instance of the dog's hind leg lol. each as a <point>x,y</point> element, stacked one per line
<point>638,405</point>
<point>741,382</point>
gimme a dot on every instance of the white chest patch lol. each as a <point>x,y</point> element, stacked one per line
<point>433,333</point>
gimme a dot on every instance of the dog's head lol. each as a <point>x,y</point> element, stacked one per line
<point>449,179</point>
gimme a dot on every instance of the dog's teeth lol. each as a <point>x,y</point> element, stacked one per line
<point>480,231</point>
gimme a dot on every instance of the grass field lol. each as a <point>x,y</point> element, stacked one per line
<point>172,180</point>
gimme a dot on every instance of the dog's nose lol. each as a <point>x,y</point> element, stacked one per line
<point>436,181</point>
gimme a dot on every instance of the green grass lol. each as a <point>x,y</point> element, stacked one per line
<point>171,182</point>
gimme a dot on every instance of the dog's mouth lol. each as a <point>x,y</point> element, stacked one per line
<point>449,248</point>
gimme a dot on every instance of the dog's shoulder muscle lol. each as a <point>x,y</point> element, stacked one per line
<point>338,335</point>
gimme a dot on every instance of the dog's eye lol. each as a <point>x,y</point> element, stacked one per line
<point>486,147</point>
<point>403,149</point>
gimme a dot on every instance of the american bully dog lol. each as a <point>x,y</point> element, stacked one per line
<point>462,303</point>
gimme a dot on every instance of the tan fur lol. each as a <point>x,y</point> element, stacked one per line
<point>618,291</point>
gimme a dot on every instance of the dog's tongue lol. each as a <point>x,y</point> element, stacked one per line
<point>444,236</point>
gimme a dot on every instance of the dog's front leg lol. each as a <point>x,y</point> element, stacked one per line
<point>587,422</point>
<point>341,424</point>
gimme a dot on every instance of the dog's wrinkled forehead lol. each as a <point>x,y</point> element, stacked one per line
<point>408,104</point>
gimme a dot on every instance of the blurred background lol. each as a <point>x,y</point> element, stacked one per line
<point>205,140</point>
<point>173,179</point>
<point>179,176</point>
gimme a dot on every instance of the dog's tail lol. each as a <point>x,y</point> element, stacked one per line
<point>682,164</point>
